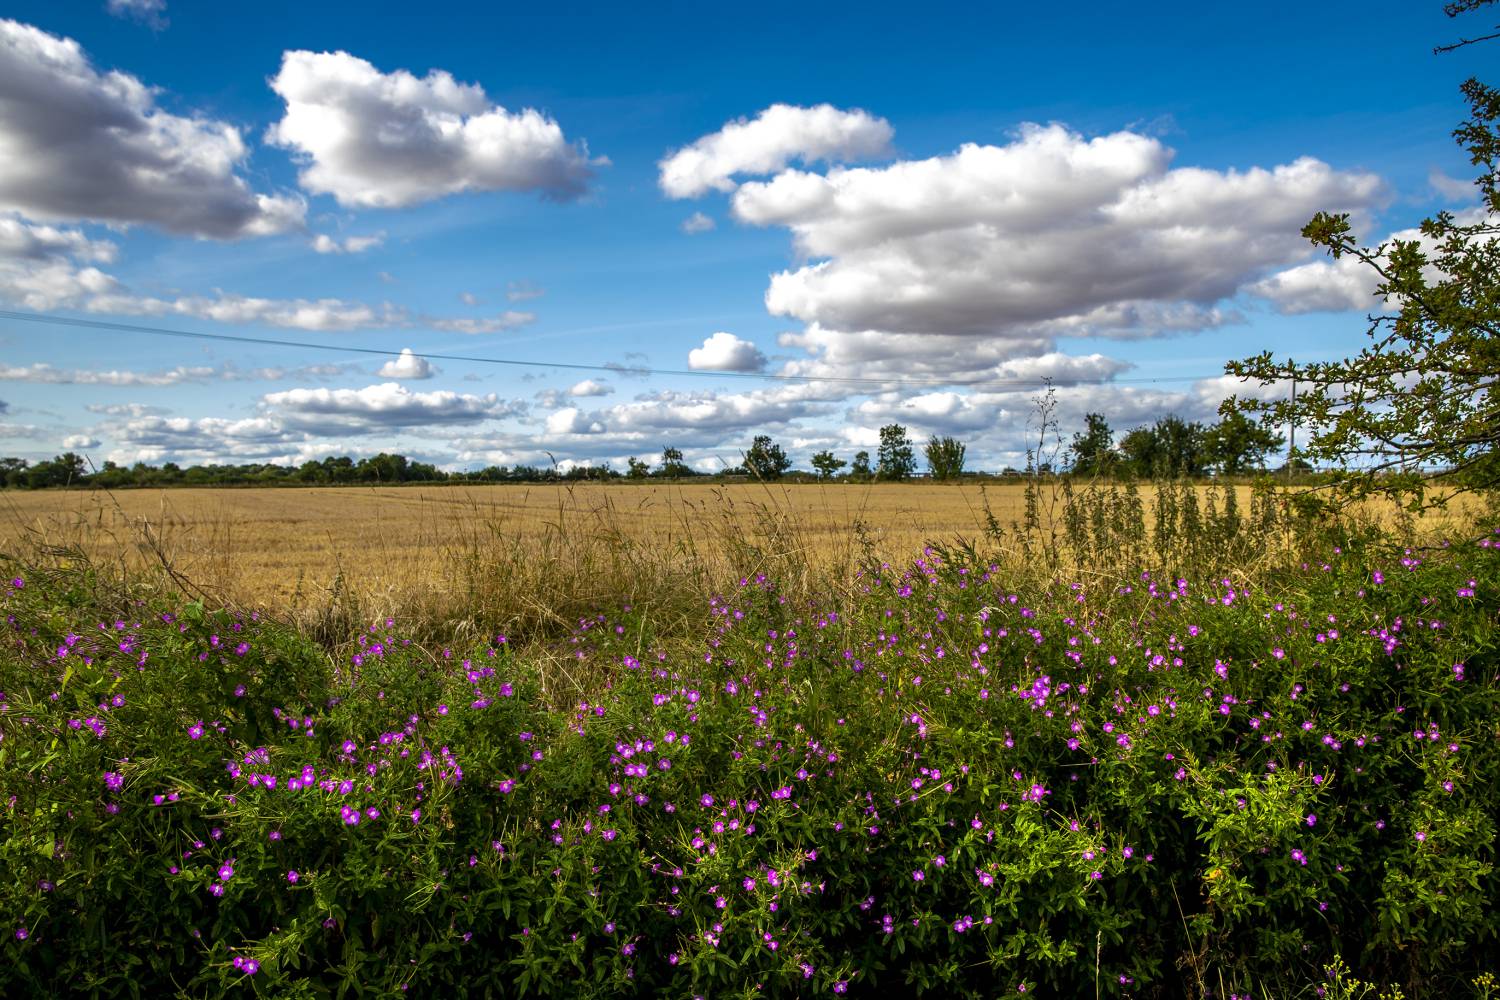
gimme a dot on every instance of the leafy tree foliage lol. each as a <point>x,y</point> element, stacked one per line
<point>861,467</point>
<point>895,459</point>
<point>66,469</point>
<point>765,459</point>
<point>1237,444</point>
<point>13,471</point>
<point>335,470</point>
<point>637,468</point>
<point>826,465</point>
<point>1170,448</point>
<point>945,457</point>
<point>1093,449</point>
<point>1421,402</point>
<point>672,465</point>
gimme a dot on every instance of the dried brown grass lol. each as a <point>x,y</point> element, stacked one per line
<point>525,558</point>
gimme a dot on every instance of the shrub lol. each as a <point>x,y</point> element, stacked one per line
<point>939,785</point>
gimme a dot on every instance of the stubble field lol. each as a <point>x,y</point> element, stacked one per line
<point>268,546</point>
<point>409,549</point>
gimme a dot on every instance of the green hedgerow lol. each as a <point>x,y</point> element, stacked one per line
<point>938,785</point>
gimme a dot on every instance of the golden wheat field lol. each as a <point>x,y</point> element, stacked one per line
<point>271,545</point>
<point>502,549</point>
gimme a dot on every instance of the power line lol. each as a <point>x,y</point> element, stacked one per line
<point>90,324</point>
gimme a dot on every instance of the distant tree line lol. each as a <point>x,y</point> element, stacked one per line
<point>1171,447</point>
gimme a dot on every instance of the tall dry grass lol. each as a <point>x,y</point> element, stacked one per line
<point>531,561</point>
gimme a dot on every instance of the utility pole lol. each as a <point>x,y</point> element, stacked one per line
<point>1292,431</point>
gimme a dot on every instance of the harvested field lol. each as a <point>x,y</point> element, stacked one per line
<point>264,545</point>
<point>461,551</point>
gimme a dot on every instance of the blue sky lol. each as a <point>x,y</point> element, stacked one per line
<point>946,203</point>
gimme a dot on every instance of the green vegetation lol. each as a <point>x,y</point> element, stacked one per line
<point>1422,401</point>
<point>1262,746</point>
<point>765,460</point>
<point>895,460</point>
<point>945,457</point>
<point>827,465</point>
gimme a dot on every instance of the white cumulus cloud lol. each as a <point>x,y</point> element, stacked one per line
<point>1053,234</point>
<point>323,243</point>
<point>588,387</point>
<point>407,366</point>
<point>79,144</point>
<point>43,284</point>
<point>22,240</point>
<point>726,352</point>
<point>1348,283</point>
<point>1321,286</point>
<point>767,143</point>
<point>388,140</point>
<point>376,407</point>
<point>224,307</point>
<point>572,420</point>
